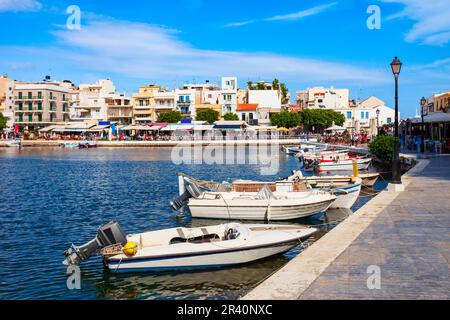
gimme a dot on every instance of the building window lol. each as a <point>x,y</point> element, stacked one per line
<point>30,118</point>
<point>20,105</point>
<point>20,95</point>
<point>367,115</point>
<point>30,95</point>
<point>20,117</point>
<point>39,95</point>
<point>39,105</point>
<point>349,114</point>
<point>362,115</point>
<point>188,99</point>
<point>30,106</point>
<point>39,117</point>
<point>389,120</point>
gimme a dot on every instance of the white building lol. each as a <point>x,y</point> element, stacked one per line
<point>185,102</point>
<point>91,101</point>
<point>268,101</point>
<point>364,115</point>
<point>325,98</point>
<point>228,96</point>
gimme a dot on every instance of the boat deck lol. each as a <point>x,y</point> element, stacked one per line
<point>408,239</point>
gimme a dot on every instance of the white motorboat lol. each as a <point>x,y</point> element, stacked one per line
<point>264,205</point>
<point>13,144</point>
<point>341,165</point>
<point>188,248</point>
<point>345,188</point>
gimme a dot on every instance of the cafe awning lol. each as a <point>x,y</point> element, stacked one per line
<point>136,127</point>
<point>178,127</point>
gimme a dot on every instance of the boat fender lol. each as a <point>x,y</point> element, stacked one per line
<point>130,248</point>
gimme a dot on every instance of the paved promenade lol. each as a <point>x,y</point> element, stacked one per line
<point>406,234</point>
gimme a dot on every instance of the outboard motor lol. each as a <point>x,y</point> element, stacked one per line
<point>192,191</point>
<point>107,235</point>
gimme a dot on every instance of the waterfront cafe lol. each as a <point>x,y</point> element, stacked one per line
<point>76,130</point>
<point>436,127</point>
<point>230,129</point>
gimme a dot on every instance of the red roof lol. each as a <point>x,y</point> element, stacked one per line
<point>247,107</point>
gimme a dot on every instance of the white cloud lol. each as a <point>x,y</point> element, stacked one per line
<point>302,14</point>
<point>147,51</point>
<point>432,20</point>
<point>20,5</point>
<point>240,24</point>
<point>287,17</point>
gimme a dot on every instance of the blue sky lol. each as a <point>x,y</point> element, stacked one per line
<point>303,43</point>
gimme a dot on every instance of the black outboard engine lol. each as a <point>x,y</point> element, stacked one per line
<point>192,191</point>
<point>107,235</point>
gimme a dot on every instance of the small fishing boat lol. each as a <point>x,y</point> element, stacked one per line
<point>188,248</point>
<point>69,144</point>
<point>13,144</point>
<point>339,165</point>
<point>345,188</point>
<point>368,179</point>
<point>87,145</point>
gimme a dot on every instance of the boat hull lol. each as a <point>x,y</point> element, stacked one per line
<point>347,198</point>
<point>345,166</point>
<point>202,261</point>
<point>258,210</point>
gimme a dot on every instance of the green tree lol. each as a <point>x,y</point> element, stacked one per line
<point>276,84</point>
<point>2,121</point>
<point>250,85</point>
<point>230,116</point>
<point>284,93</point>
<point>320,119</point>
<point>285,119</point>
<point>170,117</point>
<point>209,115</point>
<point>383,148</point>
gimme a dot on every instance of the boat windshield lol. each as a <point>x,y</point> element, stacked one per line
<point>197,240</point>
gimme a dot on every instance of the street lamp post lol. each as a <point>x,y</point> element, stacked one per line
<point>396,66</point>
<point>423,102</point>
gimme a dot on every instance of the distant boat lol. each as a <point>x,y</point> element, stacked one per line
<point>13,144</point>
<point>87,145</point>
<point>188,248</point>
<point>69,144</point>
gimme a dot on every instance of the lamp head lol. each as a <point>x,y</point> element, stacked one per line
<point>396,66</point>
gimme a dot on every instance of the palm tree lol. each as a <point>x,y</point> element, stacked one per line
<point>275,84</point>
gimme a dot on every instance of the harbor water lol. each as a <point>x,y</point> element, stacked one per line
<point>52,197</point>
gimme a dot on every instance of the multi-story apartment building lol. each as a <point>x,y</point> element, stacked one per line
<point>144,104</point>
<point>6,99</point>
<point>325,98</point>
<point>90,102</point>
<point>39,104</point>
<point>228,98</point>
<point>268,102</point>
<point>119,108</point>
<point>207,96</point>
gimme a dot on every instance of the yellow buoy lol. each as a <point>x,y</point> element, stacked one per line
<point>130,248</point>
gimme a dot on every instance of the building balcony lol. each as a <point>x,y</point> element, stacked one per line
<point>142,107</point>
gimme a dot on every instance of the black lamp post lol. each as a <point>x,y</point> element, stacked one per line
<point>423,102</point>
<point>396,67</point>
<point>378,122</point>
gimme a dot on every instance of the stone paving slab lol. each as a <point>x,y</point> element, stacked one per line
<point>405,234</point>
<point>410,244</point>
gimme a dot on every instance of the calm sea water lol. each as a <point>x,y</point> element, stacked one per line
<point>51,197</point>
